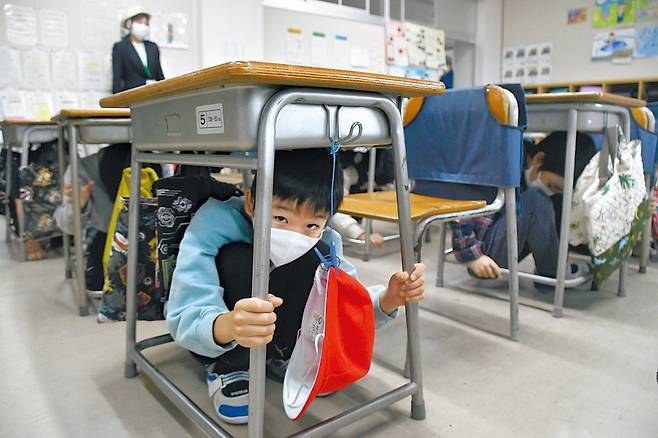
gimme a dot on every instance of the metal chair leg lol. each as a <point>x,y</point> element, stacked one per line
<point>441,258</point>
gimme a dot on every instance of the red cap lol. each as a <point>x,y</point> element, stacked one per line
<point>334,348</point>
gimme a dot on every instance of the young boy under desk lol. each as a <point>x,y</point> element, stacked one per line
<point>481,243</point>
<point>210,310</point>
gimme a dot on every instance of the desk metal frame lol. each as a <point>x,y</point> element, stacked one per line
<point>71,127</point>
<point>264,164</point>
<point>585,117</point>
<point>17,137</point>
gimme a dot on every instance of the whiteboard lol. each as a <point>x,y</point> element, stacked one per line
<point>348,44</point>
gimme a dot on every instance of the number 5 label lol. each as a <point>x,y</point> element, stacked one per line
<point>210,119</point>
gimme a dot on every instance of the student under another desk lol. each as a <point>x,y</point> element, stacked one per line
<point>481,243</point>
<point>210,310</point>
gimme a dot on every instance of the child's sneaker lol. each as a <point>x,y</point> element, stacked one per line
<point>230,396</point>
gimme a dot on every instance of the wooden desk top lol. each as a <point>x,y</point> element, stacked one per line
<point>603,98</point>
<point>263,73</point>
<point>90,113</point>
<point>26,122</point>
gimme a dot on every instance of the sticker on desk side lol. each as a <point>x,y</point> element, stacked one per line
<point>210,119</point>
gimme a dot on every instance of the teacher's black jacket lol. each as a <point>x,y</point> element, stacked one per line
<point>127,68</point>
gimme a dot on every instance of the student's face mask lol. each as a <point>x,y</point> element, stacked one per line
<point>538,183</point>
<point>139,30</point>
<point>286,246</point>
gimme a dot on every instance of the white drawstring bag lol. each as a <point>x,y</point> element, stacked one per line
<point>608,194</point>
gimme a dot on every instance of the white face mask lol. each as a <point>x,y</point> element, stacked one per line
<point>286,246</point>
<point>139,30</point>
<point>538,183</point>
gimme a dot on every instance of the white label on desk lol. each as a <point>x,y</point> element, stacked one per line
<point>210,119</point>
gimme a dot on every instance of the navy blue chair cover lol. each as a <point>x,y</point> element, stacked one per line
<point>648,140</point>
<point>455,146</point>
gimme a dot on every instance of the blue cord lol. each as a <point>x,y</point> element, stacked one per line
<point>330,260</point>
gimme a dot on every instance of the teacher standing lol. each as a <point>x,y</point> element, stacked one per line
<point>135,61</point>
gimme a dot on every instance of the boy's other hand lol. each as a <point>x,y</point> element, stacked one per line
<point>85,193</point>
<point>402,288</point>
<point>484,267</point>
<point>250,323</point>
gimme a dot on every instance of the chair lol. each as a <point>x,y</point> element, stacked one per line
<point>453,183</point>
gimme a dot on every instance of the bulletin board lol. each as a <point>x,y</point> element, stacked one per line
<point>302,38</point>
<point>57,53</point>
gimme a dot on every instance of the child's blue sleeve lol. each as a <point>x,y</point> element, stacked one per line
<point>196,297</point>
<point>375,291</point>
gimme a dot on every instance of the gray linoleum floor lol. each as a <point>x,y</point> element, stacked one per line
<point>590,374</point>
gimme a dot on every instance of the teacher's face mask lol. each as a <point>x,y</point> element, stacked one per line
<point>139,30</point>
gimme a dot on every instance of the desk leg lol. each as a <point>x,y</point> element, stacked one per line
<point>563,262</point>
<point>260,272</point>
<point>646,234</point>
<point>403,189</point>
<point>512,261</point>
<point>372,164</point>
<point>131,286</point>
<point>66,239</point>
<point>8,189</point>
<point>621,289</point>
<point>81,286</point>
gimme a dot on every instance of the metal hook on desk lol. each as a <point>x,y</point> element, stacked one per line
<point>351,136</point>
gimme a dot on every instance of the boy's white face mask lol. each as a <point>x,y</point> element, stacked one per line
<point>286,246</point>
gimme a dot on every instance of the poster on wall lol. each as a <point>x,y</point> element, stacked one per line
<point>646,42</point>
<point>53,28</point>
<point>91,71</point>
<point>100,24</point>
<point>170,30</point>
<point>435,49</point>
<point>519,75</point>
<point>532,55</point>
<point>416,43</point>
<point>21,23</point>
<point>508,74</point>
<point>613,44</point>
<point>544,73</point>
<point>396,43</point>
<point>294,46</point>
<point>64,70</point>
<point>11,73</point>
<point>36,68</point>
<point>577,16</point>
<point>341,52</point>
<point>13,104</point>
<point>508,56</point>
<point>546,53</point>
<point>318,48</point>
<point>646,11</point>
<point>520,57</point>
<point>608,13</point>
<point>39,105</point>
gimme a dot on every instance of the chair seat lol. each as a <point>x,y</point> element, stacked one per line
<point>383,206</point>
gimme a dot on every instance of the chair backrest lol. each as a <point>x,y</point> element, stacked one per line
<point>643,128</point>
<point>464,141</point>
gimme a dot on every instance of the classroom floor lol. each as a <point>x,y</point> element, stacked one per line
<point>590,374</point>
